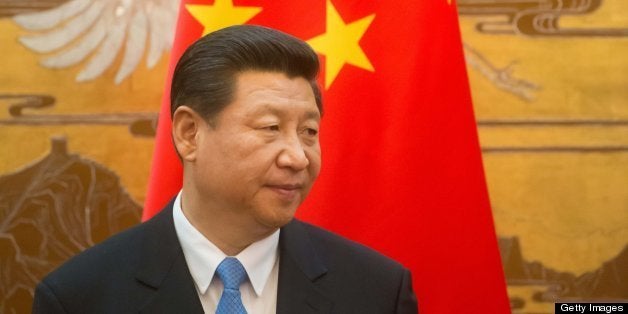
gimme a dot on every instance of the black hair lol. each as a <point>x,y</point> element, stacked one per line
<point>205,76</point>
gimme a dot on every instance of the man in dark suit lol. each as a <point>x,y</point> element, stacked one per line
<point>246,111</point>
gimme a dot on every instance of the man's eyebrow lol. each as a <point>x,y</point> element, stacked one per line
<point>264,109</point>
<point>268,108</point>
<point>313,114</point>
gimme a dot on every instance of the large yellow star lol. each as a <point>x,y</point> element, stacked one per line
<point>340,43</point>
<point>220,15</point>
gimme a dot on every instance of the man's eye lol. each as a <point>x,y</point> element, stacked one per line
<point>311,132</point>
<point>272,128</point>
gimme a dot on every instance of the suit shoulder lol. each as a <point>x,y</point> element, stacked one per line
<point>89,281</point>
<point>113,276</point>
<point>374,282</point>
<point>341,248</point>
<point>115,255</point>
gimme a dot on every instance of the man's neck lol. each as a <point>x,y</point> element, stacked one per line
<point>228,231</point>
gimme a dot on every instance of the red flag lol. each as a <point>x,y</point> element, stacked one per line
<point>401,169</point>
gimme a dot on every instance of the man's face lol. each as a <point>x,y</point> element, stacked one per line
<point>262,155</point>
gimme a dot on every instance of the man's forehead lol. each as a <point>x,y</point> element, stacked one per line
<point>267,79</point>
<point>283,109</point>
<point>275,93</point>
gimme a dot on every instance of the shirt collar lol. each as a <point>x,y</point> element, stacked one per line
<point>203,257</point>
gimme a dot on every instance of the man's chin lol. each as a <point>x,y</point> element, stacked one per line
<point>277,218</point>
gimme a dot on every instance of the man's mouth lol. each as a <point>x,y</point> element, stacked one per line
<point>286,191</point>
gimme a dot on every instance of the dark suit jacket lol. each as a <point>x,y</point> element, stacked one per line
<point>143,270</point>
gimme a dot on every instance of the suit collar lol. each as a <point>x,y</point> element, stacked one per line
<point>203,257</point>
<point>300,268</point>
<point>163,269</point>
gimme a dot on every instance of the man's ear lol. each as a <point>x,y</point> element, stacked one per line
<point>186,124</point>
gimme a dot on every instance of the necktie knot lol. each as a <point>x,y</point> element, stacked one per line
<point>231,272</point>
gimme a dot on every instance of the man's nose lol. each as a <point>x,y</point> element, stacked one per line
<point>293,155</point>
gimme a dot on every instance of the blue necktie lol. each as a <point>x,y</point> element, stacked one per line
<point>232,274</point>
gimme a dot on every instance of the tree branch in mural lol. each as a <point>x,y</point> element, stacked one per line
<point>50,211</point>
<point>98,30</point>
<point>140,124</point>
<point>535,17</point>
<point>23,101</point>
<point>609,282</point>
<point>502,78</point>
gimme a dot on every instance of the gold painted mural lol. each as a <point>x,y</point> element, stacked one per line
<point>78,111</point>
<point>549,80</point>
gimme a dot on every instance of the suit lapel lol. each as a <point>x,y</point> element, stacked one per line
<point>164,271</point>
<point>299,269</point>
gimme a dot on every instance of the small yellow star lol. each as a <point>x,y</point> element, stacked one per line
<point>220,15</point>
<point>340,44</point>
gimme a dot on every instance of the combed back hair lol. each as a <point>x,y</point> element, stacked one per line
<point>205,76</point>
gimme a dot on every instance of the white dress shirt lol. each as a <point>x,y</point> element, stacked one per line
<point>260,259</point>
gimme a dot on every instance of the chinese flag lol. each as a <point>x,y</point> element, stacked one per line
<point>402,169</point>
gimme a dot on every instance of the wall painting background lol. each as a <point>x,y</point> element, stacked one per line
<point>550,84</point>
